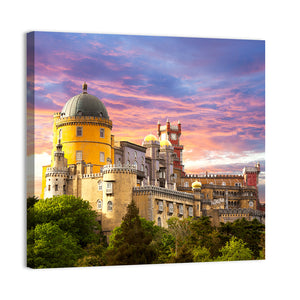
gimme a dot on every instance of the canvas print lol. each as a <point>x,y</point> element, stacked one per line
<point>144,150</point>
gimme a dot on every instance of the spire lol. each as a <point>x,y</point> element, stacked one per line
<point>84,88</point>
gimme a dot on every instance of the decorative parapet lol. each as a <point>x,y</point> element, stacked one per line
<point>88,120</point>
<point>242,211</point>
<point>92,175</point>
<point>162,191</point>
<point>57,171</point>
<point>119,168</point>
<point>204,175</point>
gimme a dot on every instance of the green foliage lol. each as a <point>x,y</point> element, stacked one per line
<point>51,247</point>
<point>234,250</point>
<point>131,243</point>
<point>164,243</point>
<point>201,254</point>
<point>71,214</point>
<point>58,230</point>
<point>251,232</point>
<point>63,232</point>
<point>31,201</point>
<point>94,255</point>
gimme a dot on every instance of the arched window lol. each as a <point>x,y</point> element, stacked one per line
<point>109,206</point>
<point>99,185</point>
<point>186,184</point>
<point>102,157</point>
<point>119,164</point>
<point>142,168</point>
<point>102,132</point>
<point>135,164</point>
<point>99,204</point>
<point>59,136</point>
<point>159,221</point>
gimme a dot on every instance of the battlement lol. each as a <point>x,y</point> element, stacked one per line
<point>119,169</point>
<point>92,175</point>
<point>205,175</point>
<point>241,211</point>
<point>88,120</point>
<point>51,170</point>
<point>162,191</point>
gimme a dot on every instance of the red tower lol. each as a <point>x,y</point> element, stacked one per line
<point>172,133</point>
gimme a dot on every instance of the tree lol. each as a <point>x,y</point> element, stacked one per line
<point>164,243</point>
<point>130,243</point>
<point>181,230</point>
<point>71,214</point>
<point>235,249</point>
<point>58,230</point>
<point>94,255</point>
<point>51,247</point>
<point>201,254</point>
<point>251,232</point>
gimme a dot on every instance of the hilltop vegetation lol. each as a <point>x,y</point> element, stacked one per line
<point>63,232</point>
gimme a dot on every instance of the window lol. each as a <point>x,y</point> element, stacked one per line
<point>160,206</point>
<point>64,188</point>
<point>49,187</point>
<point>223,183</point>
<point>180,209</point>
<point>78,155</point>
<point>102,157</point>
<point>99,204</point>
<point>142,168</point>
<point>99,185</point>
<point>171,208</point>
<point>186,184</point>
<point>109,206</point>
<point>119,162</point>
<point>190,211</point>
<point>102,132</point>
<point>109,188</point>
<point>56,187</point>
<point>79,131</point>
<point>159,221</point>
<point>135,165</point>
<point>59,136</point>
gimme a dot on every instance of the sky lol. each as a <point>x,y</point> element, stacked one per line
<point>214,87</point>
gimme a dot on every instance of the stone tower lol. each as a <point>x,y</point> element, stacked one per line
<point>116,194</point>
<point>172,133</point>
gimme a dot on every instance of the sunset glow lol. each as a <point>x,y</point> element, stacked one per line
<point>215,87</point>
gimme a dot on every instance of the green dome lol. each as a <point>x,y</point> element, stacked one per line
<point>84,104</point>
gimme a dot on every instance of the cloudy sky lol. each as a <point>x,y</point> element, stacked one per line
<point>215,87</point>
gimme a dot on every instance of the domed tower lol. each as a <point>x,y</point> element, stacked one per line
<point>83,128</point>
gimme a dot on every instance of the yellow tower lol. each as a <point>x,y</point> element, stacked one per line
<point>83,128</point>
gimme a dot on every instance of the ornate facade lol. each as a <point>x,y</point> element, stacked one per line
<point>87,162</point>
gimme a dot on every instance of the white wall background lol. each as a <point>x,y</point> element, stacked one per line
<point>276,22</point>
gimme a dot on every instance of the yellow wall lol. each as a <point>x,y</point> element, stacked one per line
<point>44,180</point>
<point>90,143</point>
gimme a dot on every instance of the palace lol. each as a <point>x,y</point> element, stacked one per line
<point>87,162</point>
